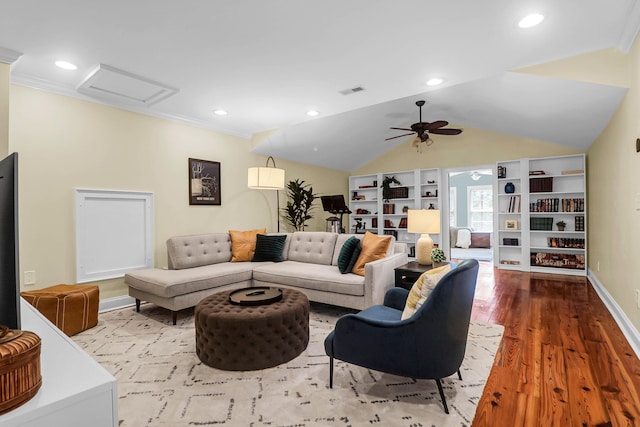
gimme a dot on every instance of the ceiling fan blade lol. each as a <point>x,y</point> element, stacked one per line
<point>437,124</point>
<point>446,131</point>
<point>399,136</point>
<point>402,129</point>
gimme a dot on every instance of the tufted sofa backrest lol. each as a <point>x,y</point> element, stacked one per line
<point>315,247</point>
<point>198,250</point>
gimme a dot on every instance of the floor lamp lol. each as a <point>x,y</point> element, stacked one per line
<point>267,178</point>
<point>424,221</point>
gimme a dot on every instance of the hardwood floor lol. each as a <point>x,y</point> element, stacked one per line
<point>563,361</point>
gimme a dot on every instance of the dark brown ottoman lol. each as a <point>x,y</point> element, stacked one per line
<point>246,338</point>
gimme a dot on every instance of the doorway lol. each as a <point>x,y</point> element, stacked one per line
<point>470,219</point>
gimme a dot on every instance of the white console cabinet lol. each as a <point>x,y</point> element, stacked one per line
<point>76,391</point>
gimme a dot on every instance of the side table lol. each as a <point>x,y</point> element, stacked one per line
<point>407,274</point>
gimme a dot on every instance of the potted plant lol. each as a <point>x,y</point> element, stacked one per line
<point>561,225</point>
<point>437,255</point>
<point>386,185</point>
<point>300,203</point>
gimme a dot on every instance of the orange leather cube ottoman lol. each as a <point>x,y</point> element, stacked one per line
<point>72,308</point>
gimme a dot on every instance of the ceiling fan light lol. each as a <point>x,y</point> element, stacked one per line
<point>530,20</point>
<point>475,176</point>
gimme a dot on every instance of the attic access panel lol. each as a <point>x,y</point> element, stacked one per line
<point>114,84</point>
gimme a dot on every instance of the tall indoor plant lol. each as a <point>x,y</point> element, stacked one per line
<point>300,203</point>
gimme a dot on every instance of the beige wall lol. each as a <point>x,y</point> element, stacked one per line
<point>613,182</point>
<point>66,143</point>
<point>4,108</point>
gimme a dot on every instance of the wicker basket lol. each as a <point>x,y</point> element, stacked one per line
<point>20,375</point>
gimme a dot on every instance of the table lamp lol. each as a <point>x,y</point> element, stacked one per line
<point>424,221</point>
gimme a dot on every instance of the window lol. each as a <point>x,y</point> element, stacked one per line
<point>480,202</point>
<point>453,202</point>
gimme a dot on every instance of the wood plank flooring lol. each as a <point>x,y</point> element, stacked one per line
<point>563,361</point>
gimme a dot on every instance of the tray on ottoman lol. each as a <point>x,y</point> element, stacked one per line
<point>72,308</point>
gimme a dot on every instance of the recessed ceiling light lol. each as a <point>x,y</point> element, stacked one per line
<point>434,81</point>
<point>312,113</point>
<point>66,65</point>
<point>530,20</point>
<point>220,113</point>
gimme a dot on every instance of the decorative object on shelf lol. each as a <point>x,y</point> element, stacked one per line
<point>300,203</point>
<point>386,186</point>
<point>360,226</point>
<point>431,182</point>
<point>356,196</point>
<point>20,374</point>
<point>204,182</point>
<point>389,208</point>
<point>437,255</point>
<point>502,172</point>
<point>431,206</point>
<point>561,225</point>
<point>428,194</point>
<point>511,224</point>
<point>424,221</point>
<point>509,188</point>
<point>510,241</point>
<point>405,209</point>
<point>266,178</point>
<point>403,223</point>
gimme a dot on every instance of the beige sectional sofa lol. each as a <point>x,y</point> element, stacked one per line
<point>200,265</point>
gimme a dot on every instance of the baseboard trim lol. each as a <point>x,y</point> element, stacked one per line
<point>628,329</point>
<point>116,303</point>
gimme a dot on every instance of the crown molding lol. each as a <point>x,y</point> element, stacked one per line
<point>49,86</point>
<point>9,56</point>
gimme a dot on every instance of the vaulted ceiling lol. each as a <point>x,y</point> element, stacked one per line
<point>269,62</point>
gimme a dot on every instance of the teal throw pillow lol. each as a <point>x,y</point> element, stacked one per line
<point>354,258</point>
<point>269,248</point>
<point>346,254</point>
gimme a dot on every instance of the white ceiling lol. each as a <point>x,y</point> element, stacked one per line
<point>268,62</point>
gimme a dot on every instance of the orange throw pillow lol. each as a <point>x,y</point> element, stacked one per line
<point>373,248</point>
<point>243,244</point>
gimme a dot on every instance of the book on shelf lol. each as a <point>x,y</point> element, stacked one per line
<point>403,223</point>
<point>572,172</point>
<point>514,204</point>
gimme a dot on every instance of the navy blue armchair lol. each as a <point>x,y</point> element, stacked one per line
<point>429,345</point>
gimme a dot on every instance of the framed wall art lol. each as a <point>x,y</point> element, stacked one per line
<point>511,224</point>
<point>204,182</point>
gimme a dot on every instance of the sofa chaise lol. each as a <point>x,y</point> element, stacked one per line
<point>201,265</point>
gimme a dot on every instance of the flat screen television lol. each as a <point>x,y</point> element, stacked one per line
<point>9,265</point>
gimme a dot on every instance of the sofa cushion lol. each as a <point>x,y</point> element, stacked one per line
<point>310,276</point>
<point>269,248</point>
<point>373,248</point>
<point>170,283</point>
<point>243,244</point>
<point>198,250</point>
<point>422,288</point>
<point>346,254</point>
<point>314,247</point>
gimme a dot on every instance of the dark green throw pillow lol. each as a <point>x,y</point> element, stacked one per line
<point>346,253</point>
<point>269,248</point>
<point>354,257</point>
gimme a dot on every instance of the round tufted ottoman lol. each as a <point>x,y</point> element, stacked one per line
<point>245,338</point>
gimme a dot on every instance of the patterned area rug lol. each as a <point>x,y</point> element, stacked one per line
<point>161,381</point>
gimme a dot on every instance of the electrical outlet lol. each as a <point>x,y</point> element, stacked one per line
<point>29,277</point>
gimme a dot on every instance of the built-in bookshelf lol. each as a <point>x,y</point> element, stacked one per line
<point>551,191</point>
<point>418,189</point>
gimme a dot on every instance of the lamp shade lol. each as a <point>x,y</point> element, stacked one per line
<point>423,221</point>
<point>265,178</point>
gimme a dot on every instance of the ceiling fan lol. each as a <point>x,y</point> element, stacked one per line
<point>423,129</point>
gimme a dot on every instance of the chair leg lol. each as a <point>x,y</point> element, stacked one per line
<point>459,375</point>
<point>174,317</point>
<point>444,401</point>
<point>137,305</point>
<point>330,372</point>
